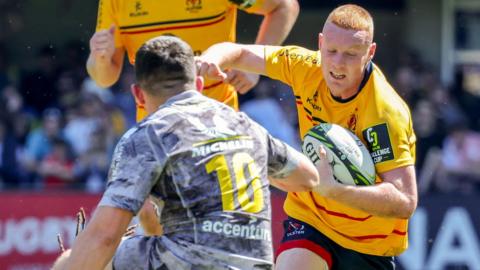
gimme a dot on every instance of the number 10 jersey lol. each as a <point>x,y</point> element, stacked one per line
<point>206,167</point>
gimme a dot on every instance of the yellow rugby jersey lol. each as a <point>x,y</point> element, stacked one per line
<point>200,23</point>
<point>378,116</point>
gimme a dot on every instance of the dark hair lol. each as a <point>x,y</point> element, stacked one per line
<point>164,65</point>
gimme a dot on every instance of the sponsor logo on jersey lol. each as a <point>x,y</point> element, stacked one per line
<point>313,101</point>
<point>223,144</point>
<point>138,10</point>
<point>193,5</point>
<point>307,58</point>
<point>378,142</point>
<point>254,232</point>
<point>295,228</point>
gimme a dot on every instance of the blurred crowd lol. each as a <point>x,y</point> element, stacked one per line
<point>58,129</point>
<point>447,125</point>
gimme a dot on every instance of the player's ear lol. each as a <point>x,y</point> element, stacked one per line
<point>138,94</point>
<point>371,50</point>
<point>320,40</point>
<point>199,83</point>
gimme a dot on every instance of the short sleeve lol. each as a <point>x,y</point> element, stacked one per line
<point>107,16</point>
<point>392,143</point>
<point>290,64</point>
<point>135,169</point>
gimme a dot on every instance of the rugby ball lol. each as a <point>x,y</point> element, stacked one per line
<point>350,159</point>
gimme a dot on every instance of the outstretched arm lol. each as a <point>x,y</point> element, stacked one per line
<point>221,56</point>
<point>95,247</point>
<point>302,176</point>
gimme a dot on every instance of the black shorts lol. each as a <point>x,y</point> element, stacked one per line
<point>298,234</point>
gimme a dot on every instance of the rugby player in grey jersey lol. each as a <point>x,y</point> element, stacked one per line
<point>207,168</point>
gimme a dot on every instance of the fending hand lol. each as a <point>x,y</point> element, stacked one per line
<point>242,81</point>
<point>209,69</point>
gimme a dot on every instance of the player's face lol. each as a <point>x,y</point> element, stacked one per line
<point>345,53</point>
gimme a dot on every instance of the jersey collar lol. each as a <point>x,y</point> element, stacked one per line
<point>366,76</point>
<point>182,95</point>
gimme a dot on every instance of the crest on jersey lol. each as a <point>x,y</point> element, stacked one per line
<point>138,10</point>
<point>193,5</point>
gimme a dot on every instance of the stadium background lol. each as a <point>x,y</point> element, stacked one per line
<point>57,129</point>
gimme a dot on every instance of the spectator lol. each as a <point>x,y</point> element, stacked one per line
<point>84,121</point>
<point>39,141</point>
<point>461,159</point>
<point>9,167</point>
<point>427,129</point>
<point>92,167</point>
<point>56,169</point>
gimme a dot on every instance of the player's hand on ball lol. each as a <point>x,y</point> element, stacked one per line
<point>102,44</point>
<point>327,182</point>
<point>242,81</point>
<point>209,69</point>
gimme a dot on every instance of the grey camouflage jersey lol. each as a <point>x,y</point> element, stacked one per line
<point>206,168</point>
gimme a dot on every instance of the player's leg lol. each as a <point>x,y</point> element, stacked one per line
<point>303,247</point>
<point>300,258</point>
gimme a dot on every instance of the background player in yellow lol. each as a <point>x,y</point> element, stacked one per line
<point>340,226</point>
<point>124,25</point>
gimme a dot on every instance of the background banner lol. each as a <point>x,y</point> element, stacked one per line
<point>444,232</point>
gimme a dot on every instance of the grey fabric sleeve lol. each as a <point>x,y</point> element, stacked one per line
<point>135,169</point>
<point>282,158</point>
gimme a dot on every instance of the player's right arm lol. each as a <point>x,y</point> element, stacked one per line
<point>299,175</point>
<point>288,169</point>
<point>289,64</point>
<point>225,55</point>
<point>105,61</point>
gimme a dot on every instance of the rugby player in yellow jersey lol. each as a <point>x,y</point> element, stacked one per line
<point>339,226</point>
<point>124,25</point>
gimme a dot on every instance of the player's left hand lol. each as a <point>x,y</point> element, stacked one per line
<point>327,183</point>
<point>242,81</point>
